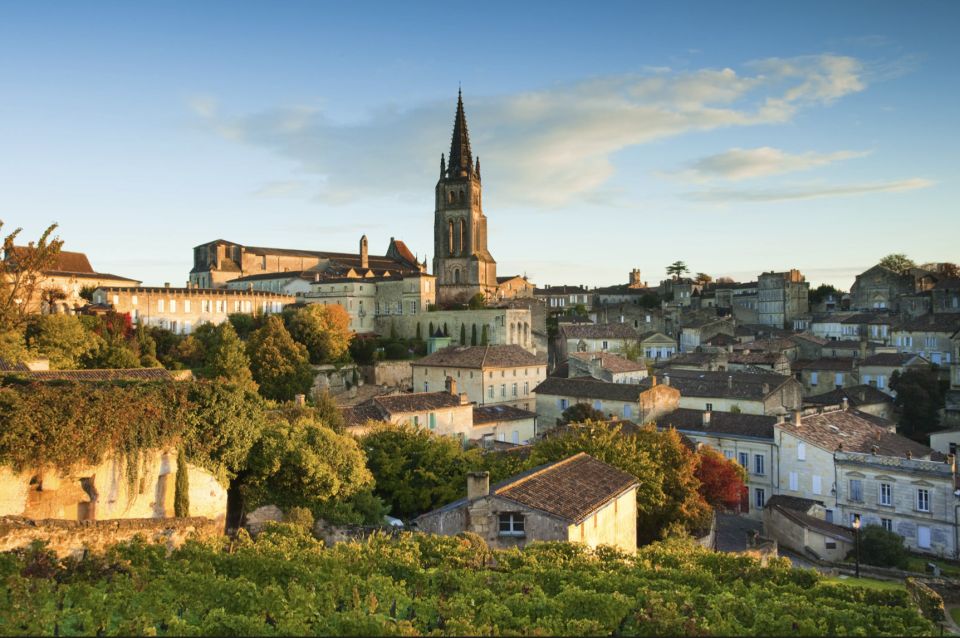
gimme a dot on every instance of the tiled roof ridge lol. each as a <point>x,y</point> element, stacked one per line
<point>542,470</point>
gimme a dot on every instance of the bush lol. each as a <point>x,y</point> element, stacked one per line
<point>396,350</point>
<point>299,516</point>
<point>882,548</point>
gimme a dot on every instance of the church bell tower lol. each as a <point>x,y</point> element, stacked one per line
<point>462,264</point>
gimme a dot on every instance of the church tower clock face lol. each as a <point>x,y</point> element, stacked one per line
<point>462,264</point>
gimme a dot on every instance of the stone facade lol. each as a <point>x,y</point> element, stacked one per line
<point>626,401</point>
<point>368,299</point>
<point>503,325</point>
<point>461,262</point>
<point>181,310</point>
<point>880,287</point>
<point>106,491</point>
<point>782,297</point>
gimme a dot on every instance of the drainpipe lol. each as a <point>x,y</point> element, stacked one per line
<point>956,530</point>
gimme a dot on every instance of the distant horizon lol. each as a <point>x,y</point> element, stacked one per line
<point>629,136</point>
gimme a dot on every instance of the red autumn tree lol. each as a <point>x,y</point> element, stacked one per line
<point>721,480</point>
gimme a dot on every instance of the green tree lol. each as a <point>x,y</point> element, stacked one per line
<point>64,340</point>
<point>919,400</point>
<point>324,330</point>
<point>190,352</point>
<point>677,269</point>
<point>897,262</point>
<point>279,364</point>
<point>328,413</point>
<point>13,346</point>
<point>473,335</point>
<point>580,413</point>
<point>227,358</point>
<point>21,274</point>
<point>463,334</point>
<point>181,495</point>
<point>245,323</point>
<point>882,548</point>
<point>417,471</point>
<point>484,336</point>
<point>225,422</point>
<point>821,292</point>
<point>304,464</point>
<point>477,302</point>
<point>113,352</point>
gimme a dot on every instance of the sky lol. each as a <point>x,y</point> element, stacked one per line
<point>739,137</point>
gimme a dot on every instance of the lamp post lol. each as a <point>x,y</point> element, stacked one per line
<point>856,540</point>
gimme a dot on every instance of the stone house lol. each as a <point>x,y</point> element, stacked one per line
<point>830,326</point>
<point>181,310</point>
<point>499,326</point>
<point>578,499</point>
<point>493,374</point>
<point>826,374</point>
<point>656,345</point>
<point>877,369</point>
<point>606,367</point>
<point>287,283</point>
<point>845,349</point>
<point>607,337</point>
<point>946,296</point>
<point>105,491</point>
<point>880,288</point>
<point>746,392</point>
<point>929,336</point>
<point>697,330</point>
<point>744,438</point>
<point>782,296</point>
<point>445,413</point>
<point>809,346</point>
<point>775,362</point>
<point>503,424</point>
<point>69,275</point>
<point>864,398</point>
<point>799,524</point>
<point>561,298</point>
<point>640,403</point>
<point>514,286</point>
<point>857,465</point>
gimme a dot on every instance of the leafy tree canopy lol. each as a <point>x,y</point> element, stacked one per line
<point>279,364</point>
<point>677,269</point>
<point>898,262</point>
<point>227,358</point>
<point>580,413</point>
<point>919,400</point>
<point>722,480</point>
<point>21,274</point>
<point>324,330</point>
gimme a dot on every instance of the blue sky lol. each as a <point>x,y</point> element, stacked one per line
<point>739,137</point>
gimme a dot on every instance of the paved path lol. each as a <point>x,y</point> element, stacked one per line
<point>732,531</point>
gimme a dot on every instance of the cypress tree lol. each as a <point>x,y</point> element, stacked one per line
<point>181,496</point>
<point>463,334</point>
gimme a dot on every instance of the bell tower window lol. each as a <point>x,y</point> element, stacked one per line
<point>450,236</point>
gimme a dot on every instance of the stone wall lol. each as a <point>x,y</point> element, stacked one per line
<point>68,538</point>
<point>396,374</point>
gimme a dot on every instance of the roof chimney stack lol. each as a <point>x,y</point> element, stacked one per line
<point>478,485</point>
<point>706,417</point>
<point>364,257</point>
<point>844,404</point>
<point>451,385</point>
<point>797,414</point>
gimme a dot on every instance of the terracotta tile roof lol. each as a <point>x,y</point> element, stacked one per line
<point>805,336</point>
<point>589,388</point>
<point>492,413</point>
<point>839,364</point>
<point>610,361</point>
<point>792,502</point>
<point>770,344</point>
<point>721,339</point>
<point>479,357</point>
<point>66,261</point>
<point>854,431</point>
<point>855,395</point>
<point>891,359</point>
<point>814,523</point>
<point>700,322</point>
<point>7,366</point>
<point>560,290</point>
<point>598,331</point>
<point>141,374</point>
<point>752,425</point>
<point>571,489</point>
<point>287,274</point>
<point>940,322</point>
<point>416,402</point>
<point>748,386</point>
<point>755,358</point>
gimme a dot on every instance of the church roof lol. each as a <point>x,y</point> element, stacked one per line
<point>461,159</point>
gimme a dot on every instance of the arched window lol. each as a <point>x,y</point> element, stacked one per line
<point>450,236</point>
<point>430,334</point>
<point>451,197</point>
<point>456,275</point>
<point>463,237</point>
<point>513,333</point>
<point>461,196</point>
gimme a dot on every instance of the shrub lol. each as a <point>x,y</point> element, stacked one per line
<point>882,548</point>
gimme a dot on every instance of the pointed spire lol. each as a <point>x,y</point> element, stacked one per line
<point>461,159</point>
<point>477,169</point>
<point>443,166</point>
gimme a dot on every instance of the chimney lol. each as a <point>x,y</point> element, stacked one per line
<point>166,284</point>
<point>863,347</point>
<point>766,388</point>
<point>451,385</point>
<point>364,257</point>
<point>653,380</point>
<point>844,404</point>
<point>797,414</point>
<point>706,417</point>
<point>909,455</point>
<point>300,400</point>
<point>464,399</point>
<point>780,419</point>
<point>478,485</point>
<point>666,379</point>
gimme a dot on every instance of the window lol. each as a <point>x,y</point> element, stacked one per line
<point>426,386</point>
<point>526,388</point>
<point>794,481</point>
<point>830,544</point>
<point>490,396</point>
<point>923,499</point>
<point>923,537</point>
<point>133,301</point>
<point>514,389</point>
<point>881,381</point>
<point>886,494</point>
<point>838,379</point>
<point>511,524</point>
<point>801,451</point>
<point>627,411</point>
<point>597,404</point>
<point>728,454</point>
<point>516,437</point>
<point>817,482</point>
<point>758,464</point>
<point>503,390</point>
<point>828,515</point>
<point>173,305</point>
<point>433,421</point>
<point>709,407</point>
<point>813,378</point>
<point>186,305</point>
<point>856,490</point>
<point>744,460</point>
<point>159,305</point>
<point>886,524</point>
<point>759,497</point>
<point>564,404</point>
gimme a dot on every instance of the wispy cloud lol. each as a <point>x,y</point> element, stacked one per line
<point>722,196</point>
<point>747,163</point>
<point>281,188</point>
<point>542,148</point>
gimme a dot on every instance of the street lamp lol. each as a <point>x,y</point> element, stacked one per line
<point>856,540</point>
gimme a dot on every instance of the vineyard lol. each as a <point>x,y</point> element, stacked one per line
<point>287,583</point>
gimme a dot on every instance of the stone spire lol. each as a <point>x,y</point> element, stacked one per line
<point>461,159</point>
<point>443,166</point>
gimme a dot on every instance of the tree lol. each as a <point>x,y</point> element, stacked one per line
<point>725,280</point>
<point>882,548</point>
<point>463,334</point>
<point>580,413</point>
<point>416,471</point>
<point>244,323</point>
<point>181,494</point>
<point>227,358</point>
<point>703,278</point>
<point>113,353</point>
<point>473,335</point>
<point>663,465</point>
<point>49,298</point>
<point>898,263</point>
<point>721,480</point>
<point>21,273</point>
<point>324,330</point>
<point>13,346</point>
<point>484,336</point>
<point>821,292</point>
<point>278,363</point>
<point>919,400</point>
<point>224,424</point>
<point>64,340</point>
<point>304,464</point>
<point>328,413</point>
<point>477,302</point>
<point>949,270</point>
<point>677,268</point>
